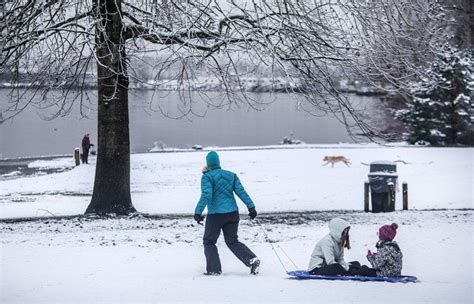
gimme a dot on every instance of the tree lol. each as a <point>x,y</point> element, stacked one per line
<point>401,38</point>
<point>441,110</point>
<point>55,44</point>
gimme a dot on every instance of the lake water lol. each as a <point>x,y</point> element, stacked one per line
<point>30,134</point>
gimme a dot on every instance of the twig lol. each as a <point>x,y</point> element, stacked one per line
<point>45,211</point>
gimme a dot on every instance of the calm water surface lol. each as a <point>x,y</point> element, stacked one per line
<point>30,134</point>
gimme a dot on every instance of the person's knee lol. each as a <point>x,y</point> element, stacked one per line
<point>332,269</point>
<point>231,241</point>
<point>208,241</point>
<point>354,263</point>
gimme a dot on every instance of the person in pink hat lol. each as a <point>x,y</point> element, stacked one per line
<point>388,260</point>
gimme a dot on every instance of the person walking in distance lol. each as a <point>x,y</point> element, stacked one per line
<point>86,145</point>
<point>217,193</point>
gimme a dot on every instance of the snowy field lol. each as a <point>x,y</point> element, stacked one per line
<point>141,260</point>
<point>160,259</point>
<point>277,180</point>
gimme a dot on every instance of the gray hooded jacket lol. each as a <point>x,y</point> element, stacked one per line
<point>328,250</point>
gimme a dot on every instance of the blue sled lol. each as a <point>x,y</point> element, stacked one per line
<point>304,275</point>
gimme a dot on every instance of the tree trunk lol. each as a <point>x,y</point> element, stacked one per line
<point>112,176</point>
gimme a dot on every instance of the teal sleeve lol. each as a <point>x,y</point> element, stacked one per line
<point>206,194</point>
<point>242,194</point>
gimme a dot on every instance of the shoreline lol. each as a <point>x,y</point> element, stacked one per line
<point>368,145</point>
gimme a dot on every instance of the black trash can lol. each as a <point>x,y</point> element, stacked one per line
<point>382,175</point>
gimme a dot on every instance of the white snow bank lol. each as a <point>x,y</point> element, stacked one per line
<point>52,164</point>
<point>276,179</point>
<point>282,146</point>
<point>11,174</point>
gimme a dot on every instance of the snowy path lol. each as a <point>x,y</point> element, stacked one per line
<point>161,260</point>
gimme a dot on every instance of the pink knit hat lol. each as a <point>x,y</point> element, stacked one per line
<point>388,232</point>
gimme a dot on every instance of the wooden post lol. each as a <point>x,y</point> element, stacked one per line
<point>405,196</point>
<point>391,198</point>
<point>77,157</point>
<point>366,196</point>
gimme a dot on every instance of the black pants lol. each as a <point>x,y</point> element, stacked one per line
<point>229,224</point>
<point>85,156</point>
<point>355,269</point>
<point>332,269</point>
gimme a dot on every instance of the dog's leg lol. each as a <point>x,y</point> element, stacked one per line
<point>325,163</point>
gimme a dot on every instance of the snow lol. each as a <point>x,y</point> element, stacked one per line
<point>64,162</point>
<point>160,259</point>
<point>462,97</point>
<point>12,173</point>
<point>383,173</point>
<point>437,132</point>
<point>382,162</point>
<point>278,179</point>
<point>212,83</point>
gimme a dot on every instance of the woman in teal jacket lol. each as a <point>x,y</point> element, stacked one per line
<point>217,193</point>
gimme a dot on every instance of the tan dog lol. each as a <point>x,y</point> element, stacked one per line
<point>335,159</point>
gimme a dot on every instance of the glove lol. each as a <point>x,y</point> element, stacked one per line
<point>369,253</point>
<point>252,213</point>
<point>199,218</point>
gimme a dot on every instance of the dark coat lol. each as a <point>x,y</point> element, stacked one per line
<point>86,143</point>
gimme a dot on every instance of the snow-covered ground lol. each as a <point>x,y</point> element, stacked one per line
<point>142,260</point>
<point>160,259</point>
<point>285,179</point>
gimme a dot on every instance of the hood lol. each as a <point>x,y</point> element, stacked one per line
<point>212,160</point>
<point>336,227</point>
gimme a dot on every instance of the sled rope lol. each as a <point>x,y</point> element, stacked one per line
<point>271,244</point>
<point>284,252</point>
<point>267,239</point>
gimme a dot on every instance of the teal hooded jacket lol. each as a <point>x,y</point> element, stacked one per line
<point>218,187</point>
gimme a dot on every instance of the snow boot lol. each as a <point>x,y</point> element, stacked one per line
<point>254,266</point>
<point>212,273</point>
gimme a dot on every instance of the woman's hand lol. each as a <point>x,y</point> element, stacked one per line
<point>198,218</point>
<point>252,213</point>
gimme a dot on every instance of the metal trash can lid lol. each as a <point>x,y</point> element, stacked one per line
<point>383,162</point>
<point>383,173</point>
<point>383,166</point>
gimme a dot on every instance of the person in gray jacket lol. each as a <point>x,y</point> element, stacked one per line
<point>328,254</point>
